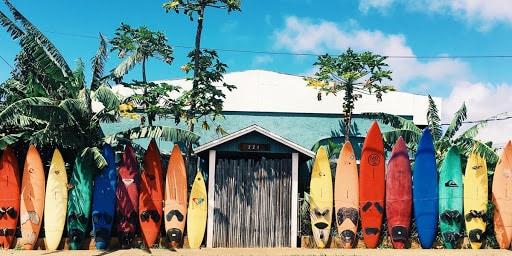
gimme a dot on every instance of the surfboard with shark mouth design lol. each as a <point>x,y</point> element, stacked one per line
<point>321,193</point>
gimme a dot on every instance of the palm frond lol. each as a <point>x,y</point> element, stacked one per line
<point>10,139</point>
<point>411,137</point>
<point>469,145</point>
<point>394,121</point>
<point>12,29</point>
<point>433,119</point>
<point>52,135</point>
<point>98,63</point>
<point>109,117</point>
<point>77,109</point>
<point>473,131</point>
<point>166,133</point>
<point>456,122</point>
<point>43,41</point>
<point>107,97</point>
<point>94,154</point>
<point>79,75</point>
<point>15,114</point>
<point>127,64</point>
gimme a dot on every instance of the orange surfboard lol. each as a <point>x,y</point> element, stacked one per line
<point>346,196</point>
<point>151,195</point>
<point>372,186</point>
<point>32,198</point>
<point>502,198</point>
<point>175,210</point>
<point>9,198</point>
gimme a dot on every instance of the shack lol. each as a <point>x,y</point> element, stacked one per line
<point>252,188</point>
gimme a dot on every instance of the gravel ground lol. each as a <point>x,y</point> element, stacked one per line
<point>274,251</point>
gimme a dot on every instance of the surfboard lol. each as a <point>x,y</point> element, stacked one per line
<point>104,200</point>
<point>79,201</point>
<point>320,205</point>
<point>450,199</point>
<point>197,212</point>
<point>371,186</point>
<point>56,201</point>
<point>502,198</point>
<point>399,195</point>
<point>9,198</point>
<point>175,209</point>
<point>425,190</point>
<point>32,198</point>
<point>127,195</point>
<point>151,195</point>
<point>346,196</point>
<point>475,199</point>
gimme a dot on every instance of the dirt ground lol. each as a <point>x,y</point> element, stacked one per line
<point>274,251</point>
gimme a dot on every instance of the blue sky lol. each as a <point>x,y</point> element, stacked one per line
<point>390,27</point>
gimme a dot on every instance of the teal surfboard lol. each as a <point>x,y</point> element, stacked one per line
<point>79,201</point>
<point>451,199</point>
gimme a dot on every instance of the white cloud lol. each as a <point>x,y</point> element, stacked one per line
<point>484,13</point>
<point>366,5</point>
<point>259,60</point>
<point>483,100</point>
<point>304,35</point>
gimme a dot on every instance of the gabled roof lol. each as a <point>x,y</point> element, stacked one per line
<point>254,128</point>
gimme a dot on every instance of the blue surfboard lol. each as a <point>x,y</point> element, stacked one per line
<point>425,190</point>
<point>104,200</point>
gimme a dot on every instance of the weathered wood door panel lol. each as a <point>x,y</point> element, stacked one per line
<point>252,203</point>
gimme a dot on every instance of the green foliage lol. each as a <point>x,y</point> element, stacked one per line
<point>354,74</point>
<point>48,104</point>
<point>156,99</point>
<point>466,141</point>
<point>433,119</point>
<point>192,7</point>
<point>98,64</point>
<point>139,44</point>
<point>162,132</point>
<point>206,98</point>
<point>204,101</point>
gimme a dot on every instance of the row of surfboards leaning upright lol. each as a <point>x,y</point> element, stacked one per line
<point>116,197</point>
<point>455,203</point>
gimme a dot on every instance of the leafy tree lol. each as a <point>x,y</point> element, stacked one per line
<point>465,140</point>
<point>137,45</point>
<point>47,103</point>
<point>204,101</point>
<point>354,74</point>
<point>156,99</point>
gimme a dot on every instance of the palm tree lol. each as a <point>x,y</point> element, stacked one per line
<point>464,140</point>
<point>46,103</point>
<point>137,45</point>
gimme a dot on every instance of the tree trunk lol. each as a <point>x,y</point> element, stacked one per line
<point>144,80</point>
<point>197,51</point>
<point>197,55</point>
<point>348,108</point>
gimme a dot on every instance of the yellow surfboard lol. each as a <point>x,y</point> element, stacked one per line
<point>320,209</point>
<point>56,201</point>
<point>475,199</point>
<point>197,212</point>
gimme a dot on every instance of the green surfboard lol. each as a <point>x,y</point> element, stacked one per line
<point>79,201</point>
<point>451,199</point>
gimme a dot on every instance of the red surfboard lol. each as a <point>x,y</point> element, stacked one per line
<point>399,195</point>
<point>127,193</point>
<point>151,195</point>
<point>371,186</point>
<point>9,198</point>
